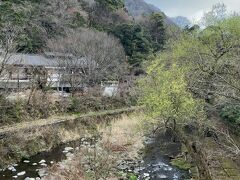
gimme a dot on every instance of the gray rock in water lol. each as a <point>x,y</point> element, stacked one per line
<point>26,161</point>
<point>167,169</point>
<point>146,174</point>
<point>34,164</point>
<point>15,177</point>
<point>21,173</point>
<point>42,161</point>
<point>68,149</point>
<point>11,168</point>
<point>162,176</point>
<point>44,164</point>
<point>28,178</point>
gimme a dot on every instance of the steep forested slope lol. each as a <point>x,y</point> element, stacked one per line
<point>34,22</point>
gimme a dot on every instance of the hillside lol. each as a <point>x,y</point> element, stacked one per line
<point>137,8</point>
<point>42,21</point>
<point>140,7</point>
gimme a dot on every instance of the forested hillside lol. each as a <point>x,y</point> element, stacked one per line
<point>34,22</point>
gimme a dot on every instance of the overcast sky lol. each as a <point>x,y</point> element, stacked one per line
<point>193,9</point>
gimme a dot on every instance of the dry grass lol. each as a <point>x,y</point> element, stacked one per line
<point>123,135</point>
<point>120,139</point>
<point>59,119</point>
<point>72,173</point>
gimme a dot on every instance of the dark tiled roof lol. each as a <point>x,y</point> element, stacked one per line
<point>33,60</point>
<point>39,60</point>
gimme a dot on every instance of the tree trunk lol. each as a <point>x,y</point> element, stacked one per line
<point>198,155</point>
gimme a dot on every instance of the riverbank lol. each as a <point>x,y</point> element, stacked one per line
<point>123,152</point>
<point>120,140</point>
<point>27,139</point>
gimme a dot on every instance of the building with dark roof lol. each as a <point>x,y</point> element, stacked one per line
<point>22,70</point>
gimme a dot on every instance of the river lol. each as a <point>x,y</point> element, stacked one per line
<point>154,165</point>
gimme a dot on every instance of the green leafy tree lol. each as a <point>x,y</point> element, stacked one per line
<point>165,94</point>
<point>136,42</point>
<point>166,99</point>
<point>212,56</point>
<point>157,31</point>
<point>111,4</point>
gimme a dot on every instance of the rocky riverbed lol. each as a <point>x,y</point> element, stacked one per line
<point>155,163</point>
<point>36,167</point>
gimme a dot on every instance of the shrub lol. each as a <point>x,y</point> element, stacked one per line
<point>181,164</point>
<point>40,106</point>
<point>14,111</point>
<point>91,103</point>
<point>10,111</point>
<point>231,114</point>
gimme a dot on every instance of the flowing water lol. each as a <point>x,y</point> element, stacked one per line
<point>29,168</point>
<point>155,165</point>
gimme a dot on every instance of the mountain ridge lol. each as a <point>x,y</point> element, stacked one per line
<point>140,7</point>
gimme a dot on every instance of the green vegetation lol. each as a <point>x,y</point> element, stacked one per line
<point>35,22</point>
<point>111,4</point>
<point>165,94</point>
<point>181,164</point>
<point>231,114</point>
<point>135,41</point>
<point>195,76</point>
<point>132,177</point>
<point>157,31</point>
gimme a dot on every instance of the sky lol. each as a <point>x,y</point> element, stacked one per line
<point>192,9</point>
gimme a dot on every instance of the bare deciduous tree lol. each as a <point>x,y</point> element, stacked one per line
<point>88,57</point>
<point>8,44</point>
